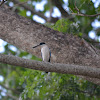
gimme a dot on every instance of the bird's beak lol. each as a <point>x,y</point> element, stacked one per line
<point>36,46</point>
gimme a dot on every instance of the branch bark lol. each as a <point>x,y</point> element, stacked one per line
<point>65,48</point>
<point>51,67</point>
<point>58,4</point>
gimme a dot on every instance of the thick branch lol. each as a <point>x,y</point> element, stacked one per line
<point>24,5</point>
<point>57,3</point>
<point>49,67</point>
<point>65,48</point>
<point>93,80</point>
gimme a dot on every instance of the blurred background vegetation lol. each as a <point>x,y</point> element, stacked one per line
<point>18,83</point>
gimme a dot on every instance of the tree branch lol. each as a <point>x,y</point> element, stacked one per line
<point>24,5</point>
<point>81,14</point>
<point>13,90</point>
<point>24,33</point>
<point>2,2</point>
<point>51,67</point>
<point>57,3</point>
<point>9,95</point>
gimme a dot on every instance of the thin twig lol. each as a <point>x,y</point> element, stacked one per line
<point>19,4</point>
<point>2,2</point>
<point>76,8</point>
<point>81,14</point>
<point>13,90</point>
<point>70,10</point>
<point>9,95</point>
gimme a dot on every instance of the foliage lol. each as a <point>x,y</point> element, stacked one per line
<point>67,26</point>
<point>37,85</point>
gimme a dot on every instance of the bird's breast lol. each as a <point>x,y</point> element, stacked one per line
<point>45,51</point>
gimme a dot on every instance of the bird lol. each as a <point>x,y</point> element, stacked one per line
<point>45,52</point>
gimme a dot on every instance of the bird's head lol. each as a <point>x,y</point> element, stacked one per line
<point>42,43</point>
